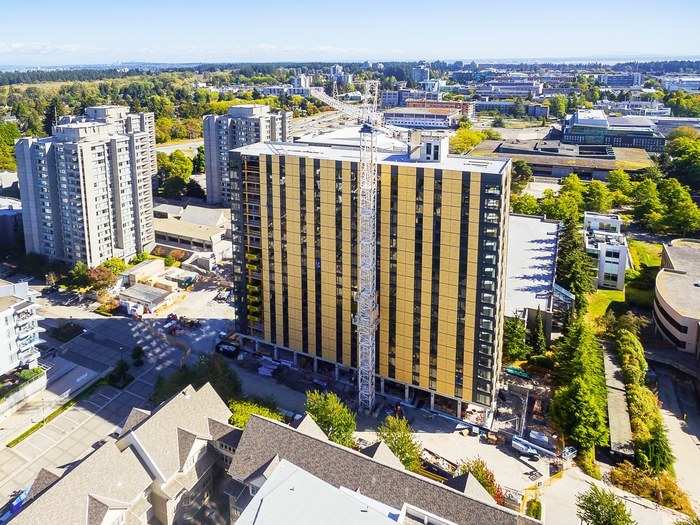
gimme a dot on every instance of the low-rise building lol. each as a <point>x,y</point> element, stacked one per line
<point>393,98</point>
<point>192,237</point>
<point>466,107</point>
<point>507,107</point>
<point>161,468</point>
<point>681,83</point>
<point>621,80</point>
<point>349,486</point>
<point>11,232</point>
<point>644,108</point>
<point>531,269</point>
<point>140,297</point>
<point>606,243</point>
<point>593,126</point>
<point>551,158</point>
<point>423,117</point>
<point>19,327</point>
<point>676,311</point>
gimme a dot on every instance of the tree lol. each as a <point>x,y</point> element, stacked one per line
<point>198,164</point>
<point>242,409</point>
<point>332,415</point>
<point>498,122</point>
<point>598,197</point>
<point>515,345</point>
<point>174,187</point>
<point>572,183</point>
<point>647,201</point>
<point>79,274</point>
<point>557,105</point>
<point>521,175</point>
<point>478,468</point>
<point>682,214</point>
<point>619,180</point>
<point>518,108</point>
<point>120,374</point>
<point>524,204</point>
<point>683,131</point>
<point>180,165</point>
<point>538,341</point>
<point>563,207</point>
<point>657,450</point>
<point>577,410</point>
<point>580,278</point>
<point>53,112</point>
<point>598,506</point>
<point>137,355</point>
<point>464,140</point>
<point>115,265</point>
<point>398,436</point>
<point>101,277</point>
<point>194,189</point>
<point>9,133</point>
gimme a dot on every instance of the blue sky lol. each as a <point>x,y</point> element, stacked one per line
<point>42,32</point>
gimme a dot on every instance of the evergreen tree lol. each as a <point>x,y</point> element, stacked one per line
<point>538,341</point>
<point>515,344</point>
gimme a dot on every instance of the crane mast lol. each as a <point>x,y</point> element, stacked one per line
<point>367,316</point>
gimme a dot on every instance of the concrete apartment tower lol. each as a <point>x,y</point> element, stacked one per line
<point>242,125</point>
<point>441,237</point>
<point>19,328</point>
<point>86,190</point>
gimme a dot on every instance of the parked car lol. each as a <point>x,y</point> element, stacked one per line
<point>227,348</point>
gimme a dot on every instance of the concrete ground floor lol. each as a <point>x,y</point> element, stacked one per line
<point>392,390</point>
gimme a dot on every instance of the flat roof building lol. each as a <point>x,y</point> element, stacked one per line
<point>552,158</point>
<point>424,117</point>
<point>442,227</point>
<point>532,259</point>
<point>593,126</point>
<point>19,328</point>
<point>604,241</point>
<point>86,190</point>
<point>241,125</point>
<point>677,295</point>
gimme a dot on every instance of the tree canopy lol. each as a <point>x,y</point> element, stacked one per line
<point>332,416</point>
<point>598,506</point>
<point>398,436</point>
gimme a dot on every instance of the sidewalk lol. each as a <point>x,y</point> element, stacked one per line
<point>63,379</point>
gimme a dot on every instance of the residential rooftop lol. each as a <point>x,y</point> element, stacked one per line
<point>265,442</point>
<point>183,228</point>
<point>422,111</point>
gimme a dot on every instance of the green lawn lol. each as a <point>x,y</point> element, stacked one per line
<point>600,301</point>
<point>645,253</point>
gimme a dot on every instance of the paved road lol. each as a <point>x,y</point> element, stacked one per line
<point>189,147</point>
<point>678,398</point>
<point>77,431</point>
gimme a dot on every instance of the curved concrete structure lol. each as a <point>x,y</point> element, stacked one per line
<point>677,295</point>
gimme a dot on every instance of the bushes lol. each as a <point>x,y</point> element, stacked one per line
<point>534,509</point>
<point>585,459</point>
<point>478,468</point>
<point>651,446</point>
<point>210,368</point>
<point>661,488</point>
<point>242,409</point>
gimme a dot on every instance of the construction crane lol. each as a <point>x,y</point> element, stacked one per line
<point>366,318</point>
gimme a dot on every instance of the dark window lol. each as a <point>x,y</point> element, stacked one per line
<point>393,245</point>
<point>417,274</point>
<point>304,270</point>
<point>435,278</point>
<point>317,253</point>
<point>339,261</point>
<point>270,249</point>
<point>462,284</point>
<point>283,243</point>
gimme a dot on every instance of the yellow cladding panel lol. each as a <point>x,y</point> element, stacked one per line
<point>347,280</point>
<point>293,224</point>
<point>276,230</point>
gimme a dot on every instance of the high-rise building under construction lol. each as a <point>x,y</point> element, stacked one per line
<point>441,247</point>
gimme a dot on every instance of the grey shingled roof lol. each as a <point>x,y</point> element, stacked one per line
<point>44,479</point>
<point>227,434</point>
<point>136,416</point>
<point>308,426</point>
<point>382,453</point>
<point>264,439</point>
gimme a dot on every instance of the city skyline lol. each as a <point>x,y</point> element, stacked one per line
<point>325,32</point>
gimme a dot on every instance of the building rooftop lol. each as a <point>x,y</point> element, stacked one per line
<point>680,284</point>
<point>591,117</point>
<point>264,443</point>
<point>531,263</point>
<point>349,136</point>
<point>422,111</point>
<point>145,293</point>
<point>295,497</point>
<point>116,476</point>
<point>182,228</point>
<point>553,153</point>
<point>450,162</point>
<point>204,216</point>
